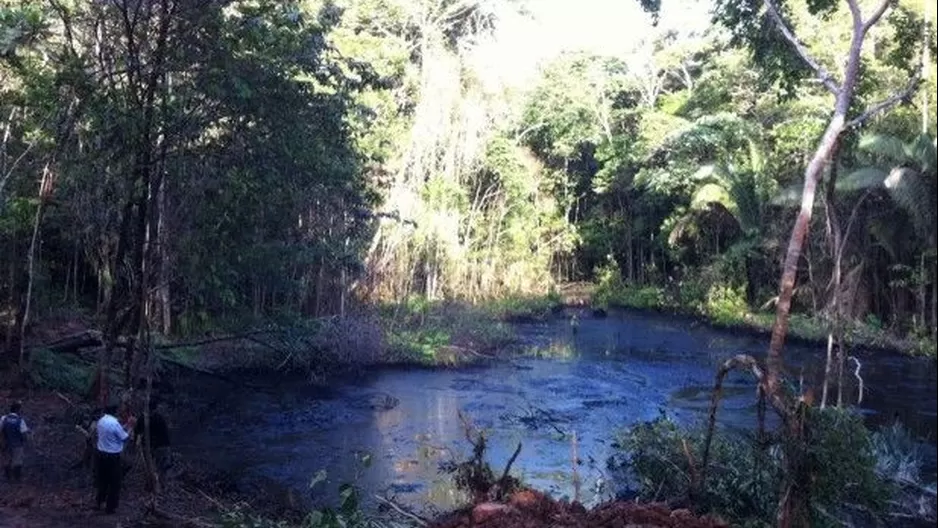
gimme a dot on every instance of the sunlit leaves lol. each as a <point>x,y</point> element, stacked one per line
<point>752,28</point>
<point>20,26</point>
<point>904,47</point>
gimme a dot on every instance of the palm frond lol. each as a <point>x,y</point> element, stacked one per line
<point>915,194</point>
<point>861,179</point>
<point>745,193</point>
<point>789,196</point>
<point>706,173</point>
<point>713,193</point>
<point>756,158</point>
<point>884,147</point>
<point>922,150</point>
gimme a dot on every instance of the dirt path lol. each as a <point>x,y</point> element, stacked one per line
<point>57,493</point>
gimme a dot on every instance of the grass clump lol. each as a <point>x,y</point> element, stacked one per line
<point>524,308</point>
<point>442,333</point>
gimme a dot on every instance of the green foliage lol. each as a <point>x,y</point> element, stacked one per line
<point>239,518</point>
<point>899,456</point>
<point>726,305</point>
<point>60,371</point>
<point>418,345</point>
<point>744,477</point>
<point>759,36</point>
<point>435,333</point>
<point>742,483</point>
<point>524,308</point>
<point>348,513</point>
<point>907,171</point>
<point>839,450</point>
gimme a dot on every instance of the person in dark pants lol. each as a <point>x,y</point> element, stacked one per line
<point>159,440</point>
<point>111,437</point>
<point>13,433</point>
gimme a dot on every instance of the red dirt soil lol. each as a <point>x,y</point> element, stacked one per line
<point>532,509</point>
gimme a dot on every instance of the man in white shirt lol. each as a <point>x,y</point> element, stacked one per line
<point>13,433</point>
<point>111,437</point>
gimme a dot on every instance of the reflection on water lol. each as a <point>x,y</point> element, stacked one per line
<point>624,369</point>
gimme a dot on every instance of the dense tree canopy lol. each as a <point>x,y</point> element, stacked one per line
<point>170,163</point>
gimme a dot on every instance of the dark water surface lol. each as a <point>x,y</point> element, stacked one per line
<point>617,370</point>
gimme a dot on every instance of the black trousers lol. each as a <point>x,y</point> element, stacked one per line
<point>108,480</point>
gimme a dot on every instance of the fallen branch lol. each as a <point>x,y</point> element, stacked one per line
<point>64,398</point>
<point>210,340</point>
<point>85,338</point>
<point>211,499</point>
<point>410,515</point>
<point>504,478</point>
<point>770,303</point>
<point>213,374</point>
<point>692,466</point>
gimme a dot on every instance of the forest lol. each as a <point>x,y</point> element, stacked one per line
<point>174,164</point>
<point>173,169</point>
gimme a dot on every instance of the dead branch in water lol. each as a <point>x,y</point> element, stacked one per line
<point>503,480</point>
<point>856,373</point>
<point>210,340</point>
<point>399,509</point>
<point>692,466</point>
<point>213,374</point>
<point>576,474</point>
<point>740,361</point>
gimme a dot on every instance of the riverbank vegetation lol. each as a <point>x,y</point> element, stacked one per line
<point>858,476</point>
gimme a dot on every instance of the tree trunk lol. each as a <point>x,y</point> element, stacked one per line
<point>12,327</point>
<point>163,265</point>
<point>799,232</point>
<point>827,369</point>
<point>45,187</point>
<point>922,294</point>
<point>934,299</point>
<point>836,239</point>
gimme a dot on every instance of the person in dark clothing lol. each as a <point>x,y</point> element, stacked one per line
<point>159,440</point>
<point>13,433</point>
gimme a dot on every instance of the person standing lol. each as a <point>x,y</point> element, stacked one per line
<point>111,438</point>
<point>14,430</point>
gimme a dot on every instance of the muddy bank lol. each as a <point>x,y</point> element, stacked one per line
<point>531,509</point>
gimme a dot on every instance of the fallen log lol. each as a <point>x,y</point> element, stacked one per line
<point>71,343</point>
<point>213,374</point>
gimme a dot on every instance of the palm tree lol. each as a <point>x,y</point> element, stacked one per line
<point>741,189</point>
<point>908,172</point>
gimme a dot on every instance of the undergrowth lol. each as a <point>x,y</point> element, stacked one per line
<point>347,513</point>
<point>855,473</point>
<point>441,333</point>
<point>59,371</point>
